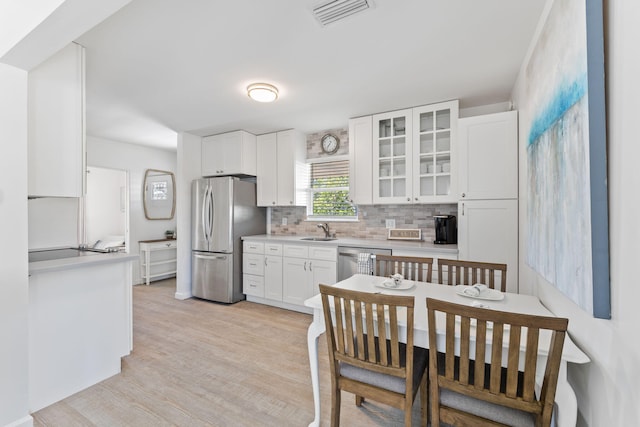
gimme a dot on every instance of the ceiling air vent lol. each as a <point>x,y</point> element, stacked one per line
<point>335,10</point>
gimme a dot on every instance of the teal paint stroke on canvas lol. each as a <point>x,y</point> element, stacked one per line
<point>566,96</point>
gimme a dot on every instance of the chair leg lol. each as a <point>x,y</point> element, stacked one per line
<point>359,400</point>
<point>335,407</point>
<point>408,406</point>
<point>423,400</point>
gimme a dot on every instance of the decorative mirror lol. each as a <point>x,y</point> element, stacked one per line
<point>159,194</point>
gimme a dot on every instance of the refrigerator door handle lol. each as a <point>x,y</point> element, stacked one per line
<point>222,257</point>
<point>211,213</point>
<point>205,213</point>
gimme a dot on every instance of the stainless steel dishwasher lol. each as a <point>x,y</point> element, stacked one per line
<point>348,259</point>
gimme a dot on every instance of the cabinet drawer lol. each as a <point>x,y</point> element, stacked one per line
<point>253,285</point>
<point>155,246</point>
<point>273,249</point>
<point>253,264</point>
<point>296,251</point>
<point>324,253</point>
<point>249,247</point>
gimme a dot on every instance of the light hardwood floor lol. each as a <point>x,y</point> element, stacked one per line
<point>197,363</point>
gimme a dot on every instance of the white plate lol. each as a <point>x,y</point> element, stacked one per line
<point>404,286</point>
<point>488,294</point>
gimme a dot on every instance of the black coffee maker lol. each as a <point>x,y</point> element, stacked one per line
<point>446,229</point>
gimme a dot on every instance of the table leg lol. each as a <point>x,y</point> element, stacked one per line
<point>315,329</point>
<point>567,414</point>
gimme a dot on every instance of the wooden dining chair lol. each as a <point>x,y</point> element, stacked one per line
<point>458,272</point>
<point>366,356</point>
<point>502,391</point>
<point>412,268</point>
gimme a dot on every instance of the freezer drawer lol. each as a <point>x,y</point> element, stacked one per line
<point>212,276</point>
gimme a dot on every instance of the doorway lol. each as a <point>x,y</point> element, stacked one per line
<point>107,208</point>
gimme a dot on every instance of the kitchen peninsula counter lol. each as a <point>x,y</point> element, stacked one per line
<point>80,323</point>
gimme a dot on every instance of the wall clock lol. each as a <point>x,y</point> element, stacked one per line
<point>330,143</point>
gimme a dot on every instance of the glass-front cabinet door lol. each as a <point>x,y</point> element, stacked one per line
<point>392,152</point>
<point>434,136</point>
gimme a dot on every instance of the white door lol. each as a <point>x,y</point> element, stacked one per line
<point>273,277</point>
<point>489,157</point>
<point>322,272</point>
<point>296,281</point>
<point>267,170</point>
<point>488,232</point>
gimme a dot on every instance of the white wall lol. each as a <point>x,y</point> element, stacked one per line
<point>135,159</point>
<point>13,253</point>
<point>189,168</point>
<point>608,388</point>
<point>53,222</point>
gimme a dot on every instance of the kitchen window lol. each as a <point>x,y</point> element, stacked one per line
<point>329,192</point>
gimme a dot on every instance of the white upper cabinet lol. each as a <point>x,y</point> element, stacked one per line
<point>56,118</point>
<point>414,154</point>
<point>434,153</point>
<point>489,157</point>
<point>392,157</point>
<point>282,177</point>
<point>231,153</point>
<point>360,160</point>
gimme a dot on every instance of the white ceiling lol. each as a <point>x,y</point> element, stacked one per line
<point>157,67</point>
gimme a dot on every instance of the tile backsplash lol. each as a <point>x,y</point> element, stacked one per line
<point>371,222</point>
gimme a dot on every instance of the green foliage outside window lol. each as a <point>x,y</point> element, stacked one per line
<point>331,197</point>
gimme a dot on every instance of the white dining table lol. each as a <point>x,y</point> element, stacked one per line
<point>566,415</point>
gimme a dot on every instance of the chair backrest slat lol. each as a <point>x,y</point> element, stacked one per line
<point>459,272</point>
<point>412,268</point>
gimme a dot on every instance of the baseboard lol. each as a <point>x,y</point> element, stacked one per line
<point>182,295</point>
<point>280,304</point>
<point>26,421</point>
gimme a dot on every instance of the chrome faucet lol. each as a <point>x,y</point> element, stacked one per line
<point>325,227</point>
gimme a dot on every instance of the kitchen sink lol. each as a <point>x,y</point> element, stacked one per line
<point>319,239</point>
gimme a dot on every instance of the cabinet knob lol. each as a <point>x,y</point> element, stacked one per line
<point>273,203</point>
<point>408,199</point>
<point>290,202</point>
<point>464,195</point>
<point>416,199</point>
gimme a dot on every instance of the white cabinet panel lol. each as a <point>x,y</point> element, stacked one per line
<point>231,153</point>
<point>488,232</point>
<point>489,156</point>
<point>360,161</point>
<point>56,117</point>
<point>322,272</point>
<point>297,286</point>
<point>253,264</point>
<point>273,277</point>
<point>253,285</point>
<point>282,173</point>
<point>267,170</point>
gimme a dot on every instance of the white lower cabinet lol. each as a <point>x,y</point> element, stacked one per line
<point>305,267</point>
<point>488,232</point>
<point>286,275</point>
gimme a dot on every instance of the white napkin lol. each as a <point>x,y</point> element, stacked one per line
<point>389,283</point>
<point>475,290</point>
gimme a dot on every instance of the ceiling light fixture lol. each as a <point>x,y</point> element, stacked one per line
<point>262,92</point>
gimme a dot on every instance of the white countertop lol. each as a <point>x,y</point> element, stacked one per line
<point>79,261</point>
<point>360,243</point>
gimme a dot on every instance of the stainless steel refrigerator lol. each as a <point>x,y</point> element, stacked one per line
<point>223,209</point>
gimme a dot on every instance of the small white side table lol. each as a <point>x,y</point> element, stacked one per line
<point>161,253</point>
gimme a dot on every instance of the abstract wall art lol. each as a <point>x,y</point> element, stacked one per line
<point>567,210</point>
